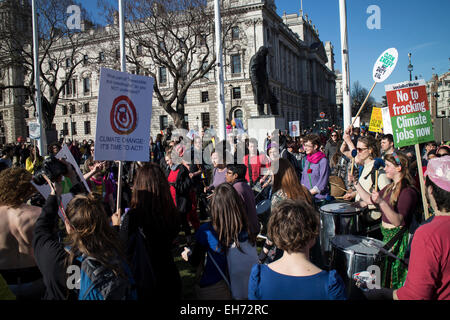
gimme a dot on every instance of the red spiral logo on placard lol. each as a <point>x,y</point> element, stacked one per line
<point>123,116</point>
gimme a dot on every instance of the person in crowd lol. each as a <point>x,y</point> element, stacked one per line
<point>355,135</point>
<point>17,222</point>
<point>254,162</point>
<point>443,151</point>
<point>397,202</point>
<point>236,177</point>
<point>34,160</point>
<point>197,175</point>
<point>290,154</point>
<point>339,167</point>
<point>85,152</point>
<point>219,171</point>
<point>7,156</point>
<point>180,187</point>
<point>89,234</point>
<point>24,154</point>
<point>367,152</point>
<point>154,213</point>
<point>294,227</point>
<point>54,148</point>
<point>315,169</point>
<point>428,275</point>
<point>432,145</point>
<point>98,181</point>
<point>332,145</point>
<point>387,144</point>
<point>285,186</point>
<point>75,150</point>
<point>228,225</point>
<point>159,149</point>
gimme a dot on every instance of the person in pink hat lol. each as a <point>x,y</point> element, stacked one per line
<point>428,275</point>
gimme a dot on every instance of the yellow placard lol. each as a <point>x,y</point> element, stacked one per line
<point>376,120</point>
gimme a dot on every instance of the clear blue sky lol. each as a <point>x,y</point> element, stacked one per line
<point>416,26</point>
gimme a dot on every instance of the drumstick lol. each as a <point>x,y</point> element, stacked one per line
<point>339,197</point>
<point>376,180</point>
<point>338,186</point>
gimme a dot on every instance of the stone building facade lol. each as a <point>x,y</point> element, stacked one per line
<point>300,68</point>
<point>438,91</point>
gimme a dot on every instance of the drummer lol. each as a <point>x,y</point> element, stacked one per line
<point>367,151</point>
<point>397,202</point>
<point>429,268</point>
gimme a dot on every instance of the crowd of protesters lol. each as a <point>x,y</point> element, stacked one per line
<point>202,196</point>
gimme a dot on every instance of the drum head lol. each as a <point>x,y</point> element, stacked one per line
<point>263,206</point>
<point>357,244</point>
<point>341,207</point>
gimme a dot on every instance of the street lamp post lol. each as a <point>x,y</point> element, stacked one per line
<point>231,95</point>
<point>410,67</point>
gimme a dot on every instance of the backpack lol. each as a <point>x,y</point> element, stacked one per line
<point>100,283</point>
<point>140,262</point>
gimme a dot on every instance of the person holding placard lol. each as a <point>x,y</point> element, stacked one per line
<point>34,160</point>
<point>397,203</point>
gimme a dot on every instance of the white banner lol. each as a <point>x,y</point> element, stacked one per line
<point>123,117</point>
<point>35,130</point>
<point>387,126</point>
<point>294,128</point>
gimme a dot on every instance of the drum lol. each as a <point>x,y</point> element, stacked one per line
<point>352,254</point>
<point>338,218</point>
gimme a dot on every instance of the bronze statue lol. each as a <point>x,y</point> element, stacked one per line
<point>260,82</point>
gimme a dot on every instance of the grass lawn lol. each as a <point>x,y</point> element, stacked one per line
<point>188,272</point>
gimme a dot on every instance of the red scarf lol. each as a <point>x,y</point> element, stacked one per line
<point>315,157</point>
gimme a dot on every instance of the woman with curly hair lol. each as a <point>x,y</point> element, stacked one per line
<point>17,221</point>
<point>293,227</point>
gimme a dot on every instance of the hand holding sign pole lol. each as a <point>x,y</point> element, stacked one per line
<point>382,69</point>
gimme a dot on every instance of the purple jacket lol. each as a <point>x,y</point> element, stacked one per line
<point>244,190</point>
<point>319,174</point>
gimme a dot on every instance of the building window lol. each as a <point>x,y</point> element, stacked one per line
<point>237,93</point>
<point>204,66</point>
<point>64,110</point>
<point>235,33</point>
<point>65,128</point>
<point>139,50</point>
<point>205,96</point>
<point>70,88</point>
<point>85,59</point>
<point>205,119</point>
<point>163,122</point>
<point>162,75</point>
<point>86,86</point>
<point>1,95</point>
<point>117,54</point>
<point>86,108</point>
<point>74,128</point>
<point>236,63</point>
<point>87,127</point>
<point>72,108</point>
<point>26,113</point>
<point>68,63</point>
<point>101,57</point>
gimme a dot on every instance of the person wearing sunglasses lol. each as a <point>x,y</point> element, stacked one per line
<point>366,153</point>
<point>332,145</point>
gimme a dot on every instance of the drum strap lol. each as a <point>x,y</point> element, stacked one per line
<point>394,239</point>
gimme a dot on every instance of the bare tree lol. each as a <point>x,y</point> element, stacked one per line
<point>61,51</point>
<point>173,42</point>
<point>358,95</point>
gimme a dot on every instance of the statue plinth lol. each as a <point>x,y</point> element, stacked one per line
<point>260,126</point>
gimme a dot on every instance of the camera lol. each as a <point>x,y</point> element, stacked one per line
<point>53,168</point>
